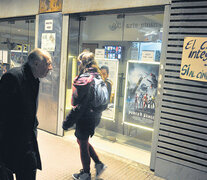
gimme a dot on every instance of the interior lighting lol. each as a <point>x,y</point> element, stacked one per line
<point>141,127</point>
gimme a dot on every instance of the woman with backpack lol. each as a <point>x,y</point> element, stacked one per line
<point>84,115</point>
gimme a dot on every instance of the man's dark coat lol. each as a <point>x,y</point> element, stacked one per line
<point>18,122</point>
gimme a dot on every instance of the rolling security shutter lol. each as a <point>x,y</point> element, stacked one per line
<point>182,135</point>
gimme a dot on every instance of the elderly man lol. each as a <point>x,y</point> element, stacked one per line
<point>18,122</point>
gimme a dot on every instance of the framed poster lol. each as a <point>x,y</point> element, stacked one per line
<point>48,41</point>
<point>140,93</point>
<point>109,68</point>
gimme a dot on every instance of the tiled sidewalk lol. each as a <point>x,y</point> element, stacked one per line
<point>60,159</point>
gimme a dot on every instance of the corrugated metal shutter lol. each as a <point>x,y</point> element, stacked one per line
<point>182,135</point>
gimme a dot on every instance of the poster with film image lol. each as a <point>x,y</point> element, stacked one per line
<point>140,93</point>
<point>109,68</point>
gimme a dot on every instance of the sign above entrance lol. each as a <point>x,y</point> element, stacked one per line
<point>194,59</point>
<point>50,6</point>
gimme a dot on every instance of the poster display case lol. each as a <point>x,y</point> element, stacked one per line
<point>140,93</point>
<point>112,65</point>
<point>146,51</point>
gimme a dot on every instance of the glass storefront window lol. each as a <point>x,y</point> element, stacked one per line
<point>17,38</point>
<point>101,28</point>
<point>130,46</point>
<point>143,27</point>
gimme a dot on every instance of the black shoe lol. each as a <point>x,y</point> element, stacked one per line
<point>82,175</point>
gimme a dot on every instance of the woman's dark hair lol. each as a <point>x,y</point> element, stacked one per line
<point>106,68</point>
<point>87,61</point>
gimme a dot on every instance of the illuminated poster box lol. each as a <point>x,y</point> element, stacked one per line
<point>140,94</point>
<point>194,59</point>
<point>112,65</point>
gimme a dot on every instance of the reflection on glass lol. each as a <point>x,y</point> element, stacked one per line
<point>101,28</point>
<point>143,27</point>
<point>130,37</point>
<point>139,51</point>
<point>17,38</point>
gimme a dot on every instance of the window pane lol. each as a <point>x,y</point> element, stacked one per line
<point>143,27</point>
<point>119,39</point>
<point>4,35</point>
<point>101,28</point>
<point>17,38</point>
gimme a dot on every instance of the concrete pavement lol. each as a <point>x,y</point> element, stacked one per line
<point>60,159</point>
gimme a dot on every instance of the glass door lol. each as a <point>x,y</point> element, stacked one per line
<point>128,48</point>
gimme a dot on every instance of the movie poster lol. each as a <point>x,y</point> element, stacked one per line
<point>111,76</point>
<point>140,92</point>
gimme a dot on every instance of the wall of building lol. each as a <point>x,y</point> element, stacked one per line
<point>50,38</point>
<point>179,144</point>
<point>77,6</point>
<point>14,8</point>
